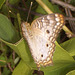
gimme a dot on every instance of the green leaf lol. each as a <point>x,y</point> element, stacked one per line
<point>71,72</point>
<point>53,8</point>
<point>5,10</point>
<point>63,62</point>
<point>73,2</point>
<point>1,3</point>
<point>69,46</point>
<point>22,69</point>
<point>56,9</point>
<point>22,49</point>
<point>7,31</point>
<point>41,10</point>
<point>6,71</point>
<point>8,34</point>
<point>14,1</point>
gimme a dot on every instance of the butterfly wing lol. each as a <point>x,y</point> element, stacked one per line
<point>41,36</point>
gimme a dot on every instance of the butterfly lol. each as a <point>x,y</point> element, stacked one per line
<point>41,36</point>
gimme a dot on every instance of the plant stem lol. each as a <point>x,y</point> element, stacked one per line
<point>19,22</point>
<point>44,6</point>
<point>0,70</point>
<point>49,12</point>
<point>63,4</point>
<point>67,30</point>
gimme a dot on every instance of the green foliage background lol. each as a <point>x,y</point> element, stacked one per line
<point>64,53</point>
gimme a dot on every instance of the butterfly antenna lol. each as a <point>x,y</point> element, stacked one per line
<point>29,11</point>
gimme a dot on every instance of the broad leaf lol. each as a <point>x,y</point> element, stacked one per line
<point>69,46</point>
<point>7,31</point>
<point>22,69</point>
<point>71,72</point>
<point>1,3</point>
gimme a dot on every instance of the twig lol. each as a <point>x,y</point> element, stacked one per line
<point>0,70</point>
<point>9,66</point>
<point>63,4</point>
<point>23,9</point>
<point>70,18</point>
<point>68,13</point>
<point>67,30</point>
<point>24,3</point>
<point>62,40</point>
<point>13,57</point>
<point>3,61</point>
<point>37,14</point>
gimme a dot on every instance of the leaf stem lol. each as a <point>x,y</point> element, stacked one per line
<point>19,22</point>
<point>44,6</point>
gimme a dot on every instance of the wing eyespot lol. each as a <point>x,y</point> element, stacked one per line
<point>46,45</point>
<point>48,31</point>
<point>42,55</point>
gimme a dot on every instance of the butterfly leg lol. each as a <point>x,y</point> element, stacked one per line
<point>38,66</point>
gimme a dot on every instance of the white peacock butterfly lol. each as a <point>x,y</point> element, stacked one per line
<point>41,36</point>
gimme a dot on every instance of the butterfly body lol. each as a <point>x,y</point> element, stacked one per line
<point>41,37</point>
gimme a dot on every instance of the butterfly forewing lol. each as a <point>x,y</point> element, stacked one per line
<point>41,36</point>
